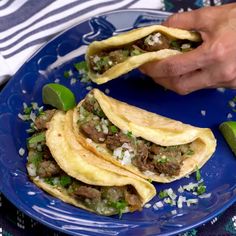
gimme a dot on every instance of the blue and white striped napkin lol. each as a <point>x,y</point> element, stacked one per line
<point>25,25</point>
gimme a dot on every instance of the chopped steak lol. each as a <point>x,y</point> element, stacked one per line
<point>48,169</point>
<point>154,42</point>
<point>118,56</point>
<point>133,200</point>
<point>170,167</point>
<point>88,105</point>
<point>90,131</point>
<point>155,149</point>
<point>41,121</point>
<point>146,156</point>
<point>46,153</point>
<point>88,192</point>
<point>141,158</point>
<point>116,140</point>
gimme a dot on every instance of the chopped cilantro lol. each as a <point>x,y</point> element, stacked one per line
<point>27,110</point>
<point>135,52</point>
<point>201,189</point>
<point>162,160</point>
<point>175,44</point>
<point>48,181</point>
<point>81,66</point>
<point>190,152</point>
<point>103,62</point>
<point>198,174</point>
<point>113,129</point>
<point>119,206</point>
<point>129,134</point>
<point>163,194</point>
<point>100,113</point>
<point>234,99</point>
<point>126,52</point>
<point>67,74</point>
<point>36,158</point>
<point>65,180</point>
<point>37,138</point>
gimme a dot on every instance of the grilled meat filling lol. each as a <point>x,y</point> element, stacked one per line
<point>104,60</point>
<point>105,200</point>
<point>143,154</point>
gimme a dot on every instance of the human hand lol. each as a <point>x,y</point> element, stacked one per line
<point>212,64</point>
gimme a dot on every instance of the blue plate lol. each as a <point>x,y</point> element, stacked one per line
<point>206,108</point>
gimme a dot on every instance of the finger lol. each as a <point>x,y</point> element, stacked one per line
<point>188,83</point>
<point>195,81</point>
<point>178,64</point>
<point>191,20</point>
<point>185,20</point>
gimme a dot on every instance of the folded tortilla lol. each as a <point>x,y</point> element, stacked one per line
<point>98,53</point>
<point>165,139</point>
<point>86,169</point>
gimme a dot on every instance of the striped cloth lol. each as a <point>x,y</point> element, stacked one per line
<point>25,25</point>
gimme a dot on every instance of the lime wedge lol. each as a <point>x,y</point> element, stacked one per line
<point>228,129</point>
<point>58,96</point>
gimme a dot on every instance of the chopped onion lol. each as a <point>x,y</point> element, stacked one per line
<point>191,201</point>
<point>148,205</point>
<point>126,158</point>
<point>180,201</point>
<point>205,195</point>
<point>117,152</point>
<point>21,151</point>
<point>174,212</point>
<point>229,116</point>
<point>31,169</point>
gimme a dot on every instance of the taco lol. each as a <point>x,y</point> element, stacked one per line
<point>59,165</point>
<point>112,57</point>
<point>147,144</point>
